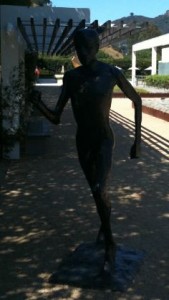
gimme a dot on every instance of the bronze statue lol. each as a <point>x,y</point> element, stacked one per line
<point>90,87</point>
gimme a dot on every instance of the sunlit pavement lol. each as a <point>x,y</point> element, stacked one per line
<point>155,131</point>
<point>47,209</point>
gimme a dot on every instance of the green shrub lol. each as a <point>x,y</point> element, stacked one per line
<point>50,65</point>
<point>160,81</point>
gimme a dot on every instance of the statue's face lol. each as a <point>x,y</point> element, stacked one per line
<point>86,53</point>
<point>86,45</point>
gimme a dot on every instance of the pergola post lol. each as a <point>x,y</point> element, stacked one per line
<point>154,61</point>
<point>133,67</point>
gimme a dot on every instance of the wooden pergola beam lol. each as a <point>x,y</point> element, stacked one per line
<point>54,33</point>
<point>68,46</point>
<point>57,38</point>
<point>65,32</point>
<point>69,42</point>
<point>44,35</point>
<point>34,33</point>
<point>94,25</point>
<point>24,33</point>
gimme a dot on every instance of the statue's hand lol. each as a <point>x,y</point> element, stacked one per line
<point>35,97</point>
<point>135,151</point>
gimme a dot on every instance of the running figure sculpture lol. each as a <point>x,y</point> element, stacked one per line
<point>90,87</point>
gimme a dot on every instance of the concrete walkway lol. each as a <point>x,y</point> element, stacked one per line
<point>47,210</point>
<point>123,106</point>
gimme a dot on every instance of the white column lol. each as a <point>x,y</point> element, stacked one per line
<point>133,67</point>
<point>154,61</point>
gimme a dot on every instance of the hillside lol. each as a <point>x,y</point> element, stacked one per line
<point>161,21</point>
<point>112,52</point>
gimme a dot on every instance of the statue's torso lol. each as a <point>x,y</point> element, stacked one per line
<point>91,96</point>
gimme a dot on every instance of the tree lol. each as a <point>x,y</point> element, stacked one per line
<point>26,2</point>
<point>149,32</point>
<point>17,2</point>
<point>41,2</point>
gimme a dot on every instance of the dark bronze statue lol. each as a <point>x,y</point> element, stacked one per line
<point>90,87</point>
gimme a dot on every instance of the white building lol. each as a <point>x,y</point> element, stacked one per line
<point>163,65</point>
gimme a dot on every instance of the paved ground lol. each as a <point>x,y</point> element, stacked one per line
<point>46,210</point>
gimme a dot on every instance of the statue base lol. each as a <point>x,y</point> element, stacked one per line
<point>83,267</point>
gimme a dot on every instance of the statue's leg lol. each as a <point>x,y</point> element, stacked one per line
<point>103,161</point>
<point>86,156</point>
<point>87,159</point>
<point>96,164</point>
<point>104,210</point>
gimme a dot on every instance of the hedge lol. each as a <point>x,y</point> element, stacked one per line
<point>160,81</point>
<point>54,63</point>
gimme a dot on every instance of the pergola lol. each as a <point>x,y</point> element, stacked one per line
<point>154,43</point>
<point>54,38</point>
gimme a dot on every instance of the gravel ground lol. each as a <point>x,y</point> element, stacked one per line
<point>155,90</point>
<point>157,103</point>
<point>161,104</point>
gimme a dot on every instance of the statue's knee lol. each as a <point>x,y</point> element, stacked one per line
<point>101,196</point>
<point>98,190</point>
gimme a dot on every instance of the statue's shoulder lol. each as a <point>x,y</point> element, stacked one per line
<point>115,71</point>
<point>73,72</point>
<point>68,75</point>
<point>109,67</point>
<point>103,64</point>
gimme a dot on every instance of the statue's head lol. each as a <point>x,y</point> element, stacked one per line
<point>86,43</point>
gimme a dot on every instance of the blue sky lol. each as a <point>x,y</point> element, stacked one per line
<point>103,10</point>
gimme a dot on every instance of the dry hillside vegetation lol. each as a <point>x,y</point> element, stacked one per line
<point>112,52</point>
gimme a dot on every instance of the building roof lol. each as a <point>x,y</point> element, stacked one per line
<point>159,41</point>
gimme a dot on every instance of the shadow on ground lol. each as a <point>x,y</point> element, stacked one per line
<point>47,211</point>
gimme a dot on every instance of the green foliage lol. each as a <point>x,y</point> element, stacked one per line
<point>25,2</point>
<point>139,90</point>
<point>53,64</point>
<point>125,63</point>
<point>15,99</point>
<point>101,55</point>
<point>12,100</point>
<point>149,32</point>
<point>17,2</point>
<point>41,2</point>
<point>50,65</point>
<point>160,81</point>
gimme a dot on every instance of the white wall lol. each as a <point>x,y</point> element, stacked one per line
<point>165,55</point>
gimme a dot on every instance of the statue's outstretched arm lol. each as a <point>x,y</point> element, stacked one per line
<point>131,93</point>
<point>51,115</point>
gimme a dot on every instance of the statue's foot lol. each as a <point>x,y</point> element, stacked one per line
<point>109,260</point>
